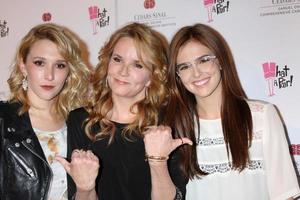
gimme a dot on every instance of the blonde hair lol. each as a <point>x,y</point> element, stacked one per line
<point>76,86</point>
<point>154,47</point>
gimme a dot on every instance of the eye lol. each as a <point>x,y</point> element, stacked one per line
<point>183,67</point>
<point>139,66</point>
<point>205,58</point>
<point>61,65</point>
<point>116,59</point>
<point>38,62</point>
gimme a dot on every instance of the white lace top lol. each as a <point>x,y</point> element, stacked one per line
<point>270,173</point>
<point>55,143</point>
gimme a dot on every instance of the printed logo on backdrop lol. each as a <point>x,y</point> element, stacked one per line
<point>295,151</point>
<point>46,17</point>
<point>279,77</point>
<point>279,7</point>
<point>99,18</point>
<point>4,29</point>
<point>154,17</point>
<point>215,7</point>
<point>149,4</point>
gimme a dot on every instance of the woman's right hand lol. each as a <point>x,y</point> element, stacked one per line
<point>83,169</point>
<point>160,143</point>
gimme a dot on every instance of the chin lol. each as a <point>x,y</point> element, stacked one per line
<point>48,97</point>
<point>120,92</point>
<point>203,94</point>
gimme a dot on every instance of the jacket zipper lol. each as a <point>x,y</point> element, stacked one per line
<point>27,169</point>
<point>51,173</point>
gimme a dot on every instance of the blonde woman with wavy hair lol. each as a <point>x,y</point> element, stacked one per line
<point>156,62</point>
<point>48,80</point>
<point>69,48</point>
<point>121,127</point>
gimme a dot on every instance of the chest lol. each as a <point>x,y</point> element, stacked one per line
<point>121,152</point>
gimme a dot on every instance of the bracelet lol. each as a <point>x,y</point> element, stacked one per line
<point>156,158</point>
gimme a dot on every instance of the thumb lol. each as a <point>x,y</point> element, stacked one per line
<point>63,162</point>
<point>181,141</point>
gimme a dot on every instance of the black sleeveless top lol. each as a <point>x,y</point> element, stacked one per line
<point>123,174</point>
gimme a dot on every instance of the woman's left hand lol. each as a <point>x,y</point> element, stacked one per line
<point>159,142</point>
<point>83,169</point>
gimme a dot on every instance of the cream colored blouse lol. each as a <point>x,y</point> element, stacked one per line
<point>55,143</point>
<point>270,173</point>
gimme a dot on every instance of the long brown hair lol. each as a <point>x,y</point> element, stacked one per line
<point>181,108</point>
<point>154,47</point>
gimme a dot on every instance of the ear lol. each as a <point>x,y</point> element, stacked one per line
<point>22,67</point>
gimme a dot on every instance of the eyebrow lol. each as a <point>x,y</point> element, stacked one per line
<point>39,57</point>
<point>182,64</point>
<point>42,58</point>
<point>115,54</point>
<point>198,58</point>
<point>135,61</point>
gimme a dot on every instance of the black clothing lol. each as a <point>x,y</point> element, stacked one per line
<point>24,171</point>
<point>124,174</point>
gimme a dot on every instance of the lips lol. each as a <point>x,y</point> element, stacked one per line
<point>47,87</point>
<point>120,82</point>
<point>201,82</point>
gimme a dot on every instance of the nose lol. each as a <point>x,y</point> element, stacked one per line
<point>196,70</point>
<point>49,73</point>
<point>124,69</point>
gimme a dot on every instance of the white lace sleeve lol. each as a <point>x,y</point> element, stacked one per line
<point>280,172</point>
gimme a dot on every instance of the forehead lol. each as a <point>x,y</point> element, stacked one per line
<point>44,47</point>
<point>125,44</point>
<point>191,50</point>
<point>128,48</point>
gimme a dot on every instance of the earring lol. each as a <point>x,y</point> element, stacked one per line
<point>146,93</point>
<point>25,83</point>
<point>106,82</point>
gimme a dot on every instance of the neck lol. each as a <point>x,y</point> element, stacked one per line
<point>210,107</point>
<point>44,117</point>
<point>40,107</point>
<point>209,110</point>
<point>121,111</point>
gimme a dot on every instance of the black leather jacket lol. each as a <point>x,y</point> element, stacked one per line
<point>24,172</point>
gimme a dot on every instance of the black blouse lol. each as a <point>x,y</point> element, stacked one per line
<point>123,174</point>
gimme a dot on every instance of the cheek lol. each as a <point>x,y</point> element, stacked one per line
<point>217,72</point>
<point>62,76</point>
<point>34,74</point>
<point>141,78</point>
<point>184,81</point>
<point>112,69</point>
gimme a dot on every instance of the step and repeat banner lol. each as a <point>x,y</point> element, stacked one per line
<point>264,36</point>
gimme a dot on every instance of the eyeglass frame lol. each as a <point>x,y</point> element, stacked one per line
<point>200,60</point>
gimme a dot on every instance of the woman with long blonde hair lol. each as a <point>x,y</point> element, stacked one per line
<point>121,124</point>
<point>47,74</point>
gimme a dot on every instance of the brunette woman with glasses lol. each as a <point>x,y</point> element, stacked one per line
<point>240,149</point>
